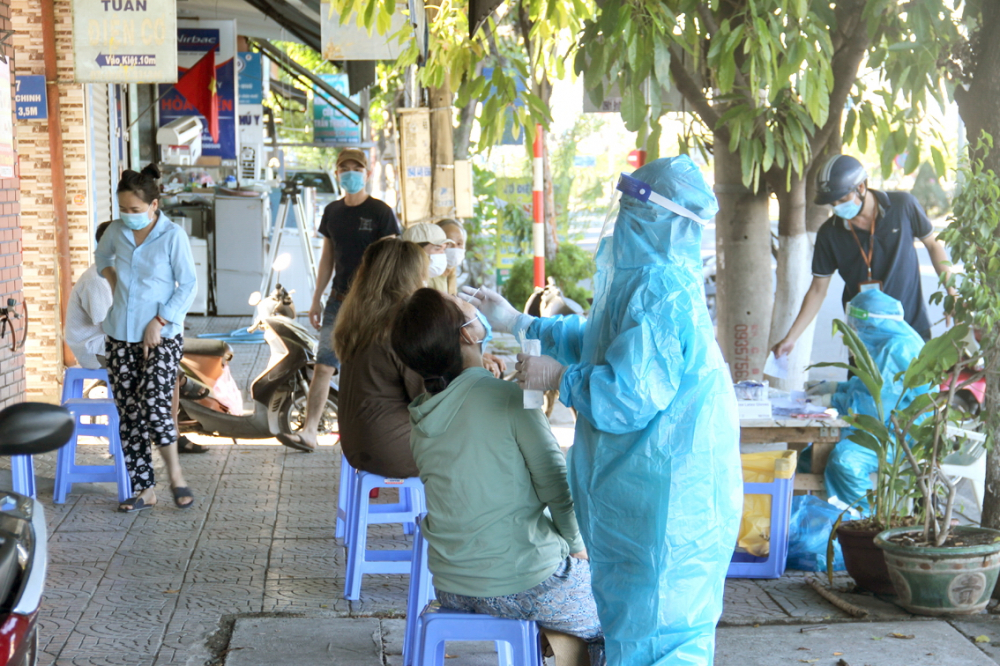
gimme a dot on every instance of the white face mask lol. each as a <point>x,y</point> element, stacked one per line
<point>455,256</point>
<point>438,265</point>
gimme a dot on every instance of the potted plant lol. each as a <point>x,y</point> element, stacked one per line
<point>937,568</point>
<point>889,500</point>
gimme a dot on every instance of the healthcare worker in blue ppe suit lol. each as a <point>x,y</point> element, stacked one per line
<point>879,321</point>
<point>655,468</point>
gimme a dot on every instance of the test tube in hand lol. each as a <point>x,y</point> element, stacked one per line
<point>532,399</point>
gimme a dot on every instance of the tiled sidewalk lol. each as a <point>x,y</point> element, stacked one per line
<point>151,588</point>
<point>164,586</point>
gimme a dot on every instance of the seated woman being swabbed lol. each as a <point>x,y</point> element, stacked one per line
<point>502,534</point>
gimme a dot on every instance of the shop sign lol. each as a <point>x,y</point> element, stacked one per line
<point>124,41</point>
<point>329,123</point>
<point>194,38</point>
<point>250,73</point>
<point>30,98</point>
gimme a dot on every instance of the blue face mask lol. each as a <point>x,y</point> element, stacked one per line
<point>486,326</point>
<point>847,210</point>
<point>352,181</point>
<point>135,221</point>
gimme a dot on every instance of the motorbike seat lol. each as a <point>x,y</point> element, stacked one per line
<point>207,347</point>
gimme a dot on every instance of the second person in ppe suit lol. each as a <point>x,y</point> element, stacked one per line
<point>878,319</point>
<point>655,468</point>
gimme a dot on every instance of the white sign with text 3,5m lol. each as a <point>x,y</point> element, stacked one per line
<point>124,41</point>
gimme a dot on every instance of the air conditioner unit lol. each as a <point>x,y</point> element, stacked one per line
<point>180,141</point>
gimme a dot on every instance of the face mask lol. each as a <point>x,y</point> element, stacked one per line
<point>847,210</point>
<point>438,265</point>
<point>455,256</point>
<point>135,221</point>
<point>486,326</point>
<point>352,181</point>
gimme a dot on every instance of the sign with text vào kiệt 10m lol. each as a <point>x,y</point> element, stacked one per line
<point>124,41</point>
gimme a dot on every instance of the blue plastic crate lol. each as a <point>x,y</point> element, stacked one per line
<point>745,565</point>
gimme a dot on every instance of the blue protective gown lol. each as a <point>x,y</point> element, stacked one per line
<point>655,467</point>
<point>892,343</point>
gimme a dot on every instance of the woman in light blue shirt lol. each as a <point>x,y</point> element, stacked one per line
<point>147,260</point>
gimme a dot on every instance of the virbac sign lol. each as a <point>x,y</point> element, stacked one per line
<point>124,41</point>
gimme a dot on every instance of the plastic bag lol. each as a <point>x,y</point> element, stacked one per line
<point>808,534</point>
<point>755,526</point>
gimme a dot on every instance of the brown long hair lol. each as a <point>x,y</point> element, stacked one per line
<point>391,269</point>
<point>426,338</point>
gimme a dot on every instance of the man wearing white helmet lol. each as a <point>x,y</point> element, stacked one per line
<point>870,241</point>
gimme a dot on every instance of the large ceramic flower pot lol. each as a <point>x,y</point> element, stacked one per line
<point>951,580</point>
<point>864,561</point>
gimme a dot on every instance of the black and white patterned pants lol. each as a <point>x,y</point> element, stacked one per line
<point>143,391</point>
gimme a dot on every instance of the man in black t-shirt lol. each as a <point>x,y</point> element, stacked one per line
<point>870,241</point>
<point>348,227</point>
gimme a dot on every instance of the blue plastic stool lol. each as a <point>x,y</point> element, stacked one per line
<point>361,514</point>
<point>422,593</point>
<point>75,377</point>
<point>745,565</point>
<point>348,478</point>
<point>68,472</point>
<point>22,474</point>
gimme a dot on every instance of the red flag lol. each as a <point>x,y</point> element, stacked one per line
<point>198,87</point>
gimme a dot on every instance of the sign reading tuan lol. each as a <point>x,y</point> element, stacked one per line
<point>125,41</point>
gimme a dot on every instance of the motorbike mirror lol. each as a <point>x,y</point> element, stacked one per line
<point>254,299</point>
<point>30,428</point>
<point>283,261</point>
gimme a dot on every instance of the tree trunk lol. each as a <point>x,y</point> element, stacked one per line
<point>743,268</point>
<point>977,106</point>
<point>463,133</point>
<point>442,153</point>
<point>793,279</point>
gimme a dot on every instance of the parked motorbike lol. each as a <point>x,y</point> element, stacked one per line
<point>279,393</point>
<point>25,429</point>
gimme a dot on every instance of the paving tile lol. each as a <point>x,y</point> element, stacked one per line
<point>226,571</point>
<point>237,529</point>
<point>102,654</point>
<point>61,600</point>
<point>746,603</point>
<point>286,531</point>
<point>72,578</point>
<point>223,598</point>
<point>153,540</point>
<point>798,599</point>
<point>80,552</point>
<point>295,594</point>
<point>382,595</point>
<point>87,519</point>
<point>55,627</point>
<point>234,550</point>
<point>187,631</point>
<point>132,569</point>
<point>146,596</point>
<point>124,623</point>
<point>306,642</point>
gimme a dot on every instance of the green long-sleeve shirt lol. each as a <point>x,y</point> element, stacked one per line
<point>490,469</point>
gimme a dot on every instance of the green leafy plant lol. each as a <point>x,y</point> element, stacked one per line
<point>888,499</point>
<point>571,265</point>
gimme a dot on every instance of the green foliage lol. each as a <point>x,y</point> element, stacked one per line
<point>570,266</point>
<point>973,239</point>
<point>928,191</point>
<point>911,449</point>
<point>761,73</point>
<point>457,59</point>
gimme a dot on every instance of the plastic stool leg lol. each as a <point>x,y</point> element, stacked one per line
<point>359,541</point>
<point>505,653</point>
<point>342,495</point>
<point>64,464</point>
<point>22,471</point>
<point>410,505</point>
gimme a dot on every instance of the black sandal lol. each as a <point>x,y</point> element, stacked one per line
<point>185,445</point>
<point>296,443</point>
<point>135,504</point>
<point>179,494</point>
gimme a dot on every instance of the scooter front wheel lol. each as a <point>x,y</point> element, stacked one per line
<point>292,415</point>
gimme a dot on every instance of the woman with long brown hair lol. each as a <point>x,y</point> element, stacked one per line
<point>375,387</point>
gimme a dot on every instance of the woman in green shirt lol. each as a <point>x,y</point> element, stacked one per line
<point>502,535</point>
